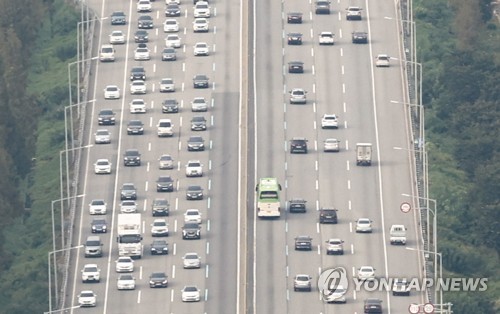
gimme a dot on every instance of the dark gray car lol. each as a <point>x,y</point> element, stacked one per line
<point>195,143</point>
<point>99,225</point>
<point>200,81</point>
<point>194,192</point>
<point>168,54</point>
<point>135,127</point>
<point>138,73</point>
<point>198,123</point>
<point>128,192</point>
<point>145,22</point>
<point>141,36</point>
<point>170,106</point>
<point>132,157</point>
<point>158,280</point>
<point>159,247</point>
<point>106,117</point>
<point>118,18</point>
<point>191,231</point>
<point>165,184</point>
<point>160,207</point>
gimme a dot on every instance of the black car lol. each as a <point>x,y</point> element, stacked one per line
<point>168,54</point>
<point>159,247</point>
<point>303,243</point>
<point>170,106</point>
<point>195,143</point>
<point>373,306</point>
<point>158,280</point>
<point>164,184</point>
<point>298,145</point>
<point>141,36</point>
<point>200,81</point>
<point>191,231</point>
<point>297,205</point>
<point>138,73</point>
<point>135,127</point>
<point>359,37</point>
<point>132,157</point>
<point>322,7</point>
<point>99,225</point>
<point>294,18</point>
<point>128,192</point>
<point>328,216</point>
<point>294,38</point>
<point>160,207</point>
<point>194,192</point>
<point>145,22</point>
<point>173,10</point>
<point>118,18</point>
<point>106,117</point>
<point>198,123</point>
<point>295,67</point>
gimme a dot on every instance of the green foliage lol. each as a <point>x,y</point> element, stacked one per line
<point>33,97</point>
<point>461,57</point>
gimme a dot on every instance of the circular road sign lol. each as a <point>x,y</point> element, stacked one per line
<point>428,308</point>
<point>405,207</point>
<point>414,308</point>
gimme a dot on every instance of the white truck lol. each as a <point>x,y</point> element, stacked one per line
<point>129,235</point>
<point>363,154</point>
<point>398,234</point>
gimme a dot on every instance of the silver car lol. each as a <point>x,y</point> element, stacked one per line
<point>166,162</point>
<point>167,85</point>
<point>102,136</point>
<point>199,104</point>
<point>331,145</point>
<point>128,206</point>
<point>364,225</point>
<point>191,260</point>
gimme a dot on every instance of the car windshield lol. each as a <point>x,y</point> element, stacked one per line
<point>190,289</point>
<point>87,294</point>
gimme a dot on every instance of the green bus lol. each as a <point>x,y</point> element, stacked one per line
<point>268,197</point>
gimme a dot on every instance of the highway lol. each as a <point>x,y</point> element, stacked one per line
<point>340,79</point>
<point>217,247</point>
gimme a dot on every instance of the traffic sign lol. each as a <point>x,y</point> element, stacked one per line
<point>428,308</point>
<point>414,308</point>
<point>405,207</point>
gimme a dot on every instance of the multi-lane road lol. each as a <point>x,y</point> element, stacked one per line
<point>340,79</point>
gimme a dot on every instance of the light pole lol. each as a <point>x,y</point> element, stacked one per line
<point>71,123</point>
<point>78,78</point>
<point>55,270</point>
<point>67,183</point>
<point>412,34</point>
<point>435,274</point>
<point>60,310</point>
<point>421,121</point>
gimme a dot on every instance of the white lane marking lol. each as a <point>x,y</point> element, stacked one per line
<point>212,102</point>
<point>215,30</point>
<point>311,32</point>
<point>287,294</point>
<point>286,184</point>
<point>315,145</point>
<point>313,70</point>
<point>208,248</point>
<point>317,184</point>
<point>314,88</point>
<point>145,205</point>
<point>348,184</point>
<point>180,145</point>
<point>353,271</point>
<point>146,186</point>
<point>180,121</point>
<point>176,207</point>
<point>318,228</point>
<point>314,125</point>
<point>286,250</point>
<point>143,225</point>
<point>206,271</point>
<point>347,165</point>
<point>319,249</point>
<point>182,103</point>
<point>343,88</point>
<point>175,225</point>
<point>316,165</point>
<point>139,296</point>
<point>286,226</point>
<point>210,164</point>
<point>208,203</point>
<point>206,294</point>
<point>208,225</point>
<point>312,52</point>
<point>140,273</point>
<point>340,35</point>
<point>284,126</point>
<point>350,227</point>
<point>155,49</point>
<point>310,13</point>
<point>213,86</point>
<point>345,107</point>
<point>152,106</point>
<point>215,12</point>
<point>154,71</point>
<point>177,185</point>
<point>172,295</point>
<point>147,166</point>
<point>214,51</point>
<point>314,107</point>
<point>182,86</point>
<point>287,271</point>
<point>345,124</point>
<point>349,205</point>
<point>213,67</point>
<point>340,16</point>
<point>352,249</point>
<point>209,184</point>
<point>210,145</point>
<point>317,204</point>
<point>343,70</point>
<point>319,270</point>
<point>346,144</point>
<point>174,249</point>
<point>149,146</point>
<point>212,123</point>
<point>173,271</point>
<point>183,67</point>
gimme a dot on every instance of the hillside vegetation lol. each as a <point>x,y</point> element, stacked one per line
<point>459,47</point>
<point>38,40</point>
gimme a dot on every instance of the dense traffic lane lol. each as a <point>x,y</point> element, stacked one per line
<point>219,159</point>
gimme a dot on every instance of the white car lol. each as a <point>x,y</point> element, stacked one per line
<point>172,2</point>
<point>329,121</point>
<point>199,104</point>
<point>107,53</point>
<point>124,264</point>
<point>138,87</point>
<point>201,9</point>
<point>102,166</point>
<point>166,162</point>
<point>111,92</point>
<point>382,61</point>
<point>144,6</point>
<point>173,41</point>
<point>128,206</point>
<point>125,282</point>
<point>167,85</point>
<point>326,38</point>
<point>142,54</point>
<point>200,25</point>
<point>98,207</point>
<point>170,26</point>
<point>353,13</point>
<point>102,136</point>
<point>159,228</point>
<point>337,296</point>
<point>191,260</point>
<point>298,96</point>
<point>137,106</point>
<point>194,168</point>
<point>366,273</point>
<point>193,216</point>
<point>201,49</point>
<point>87,298</point>
<point>116,37</point>
<point>331,145</point>
<point>364,225</point>
<point>190,294</point>
<point>91,272</point>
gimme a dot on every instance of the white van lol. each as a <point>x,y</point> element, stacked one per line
<point>165,127</point>
<point>107,53</point>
